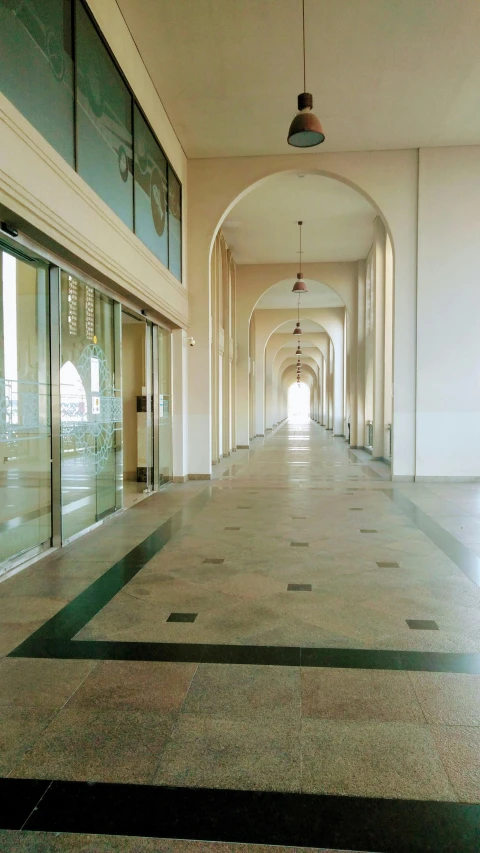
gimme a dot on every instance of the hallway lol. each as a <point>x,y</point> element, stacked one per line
<point>298,626</point>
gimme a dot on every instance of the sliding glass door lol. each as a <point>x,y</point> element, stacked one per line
<point>25,432</point>
<point>91,406</point>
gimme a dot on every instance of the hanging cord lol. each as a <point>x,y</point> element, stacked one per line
<point>303,27</point>
<point>300,226</point>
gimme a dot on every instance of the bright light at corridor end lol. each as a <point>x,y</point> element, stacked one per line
<point>299,401</point>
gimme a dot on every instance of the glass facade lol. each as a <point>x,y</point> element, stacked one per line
<point>63,399</point>
<point>25,432</point>
<point>98,128</point>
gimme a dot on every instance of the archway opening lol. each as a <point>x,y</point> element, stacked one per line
<point>299,402</point>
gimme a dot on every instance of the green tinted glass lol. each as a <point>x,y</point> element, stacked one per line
<point>151,221</point>
<point>104,122</point>
<point>36,69</point>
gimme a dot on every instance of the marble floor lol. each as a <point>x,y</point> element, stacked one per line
<point>286,655</point>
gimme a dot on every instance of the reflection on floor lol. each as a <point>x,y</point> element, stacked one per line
<point>134,492</point>
<point>324,648</point>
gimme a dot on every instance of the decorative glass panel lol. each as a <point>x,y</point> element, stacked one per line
<point>174,225</point>
<point>104,122</point>
<point>36,69</point>
<point>91,407</point>
<point>151,221</point>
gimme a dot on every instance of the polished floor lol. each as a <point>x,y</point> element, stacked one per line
<point>287,655</point>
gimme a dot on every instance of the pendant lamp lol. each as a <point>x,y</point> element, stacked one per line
<point>300,286</point>
<point>297,330</point>
<point>298,351</point>
<point>305,130</point>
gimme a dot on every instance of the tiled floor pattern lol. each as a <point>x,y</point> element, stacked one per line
<point>349,732</point>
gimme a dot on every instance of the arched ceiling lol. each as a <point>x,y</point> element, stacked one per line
<point>319,296</point>
<point>306,326</point>
<point>338,221</point>
<point>383,73</point>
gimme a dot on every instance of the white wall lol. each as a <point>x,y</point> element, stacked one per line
<point>448,327</point>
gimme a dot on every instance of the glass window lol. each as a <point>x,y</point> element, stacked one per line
<point>25,433</point>
<point>104,121</point>
<point>36,68</point>
<point>174,225</point>
<point>91,406</point>
<point>151,221</point>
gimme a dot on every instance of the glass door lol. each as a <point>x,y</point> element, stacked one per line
<point>25,430</point>
<point>91,406</point>
<point>164,444</point>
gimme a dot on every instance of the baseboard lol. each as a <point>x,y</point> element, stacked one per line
<point>403,478</point>
<point>260,435</point>
<point>199,476</point>
<point>454,479</point>
<point>180,479</point>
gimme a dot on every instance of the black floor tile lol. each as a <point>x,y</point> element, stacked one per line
<point>299,516</point>
<point>244,507</point>
<point>182,617</point>
<point>422,624</point>
<point>259,817</point>
<point>299,544</point>
<point>18,798</point>
<point>299,587</point>
<point>366,530</point>
<point>356,509</point>
<point>216,561</point>
<point>232,528</point>
<point>259,655</point>
<point>388,565</point>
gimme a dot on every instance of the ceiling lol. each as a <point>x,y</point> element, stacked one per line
<point>383,73</point>
<point>306,325</point>
<point>318,296</point>
<point>262,227</point>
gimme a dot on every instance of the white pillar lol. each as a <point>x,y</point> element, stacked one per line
<point>379,342</point>
<point>181,352</point>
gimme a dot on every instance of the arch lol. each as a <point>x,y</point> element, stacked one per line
<point>308,170</point>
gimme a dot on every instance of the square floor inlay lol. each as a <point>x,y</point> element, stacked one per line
<point>299,516</point>
<point>422,624</point>
<point>182,617</point>
<point>299,587</point>
<point>216,561</point>
<point>244,507</point>
<point>231,528</point>
<point>356,509</point>
<point>388,565</point>
<point>299,544</point>
<point>368,531</point>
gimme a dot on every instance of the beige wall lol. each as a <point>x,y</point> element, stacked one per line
<point>133,378</point>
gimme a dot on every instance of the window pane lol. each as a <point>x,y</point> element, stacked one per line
<point>25,436</point>
<point>36,71</point>
<point>175,225</point>
<point>151,222</point>
<point>104,122</point>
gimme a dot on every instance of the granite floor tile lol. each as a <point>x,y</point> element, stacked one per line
<point>140,685</point>
<point>371,759</point>
<point>357,694</point>
<point>263,692</point>
<point>243,753</point>
<point>88,744</point>
<point>448,698</point>
<point>459,749</point>
<point>49,842</point>
<point>27,682</point>
<point>19,729</point>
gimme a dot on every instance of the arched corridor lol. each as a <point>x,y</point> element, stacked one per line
<point>239,422</point>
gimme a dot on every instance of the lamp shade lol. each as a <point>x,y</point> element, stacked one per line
<point>297,330</point>
<point>305,130</point>
<point>299,286</point>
